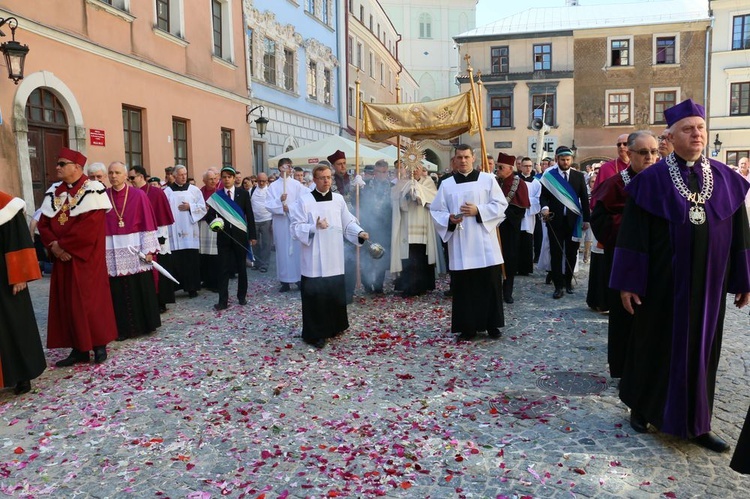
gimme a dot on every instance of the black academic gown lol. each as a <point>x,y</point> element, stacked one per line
<point>21,353</point>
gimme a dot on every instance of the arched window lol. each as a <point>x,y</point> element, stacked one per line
<point>44,107</point>
<point>425,26</point>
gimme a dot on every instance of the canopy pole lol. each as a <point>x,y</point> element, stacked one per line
<point>358,116</point>
<point>475,100</point>
<point>398,137</point>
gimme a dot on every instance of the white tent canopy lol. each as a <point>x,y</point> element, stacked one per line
<point>309,155</point>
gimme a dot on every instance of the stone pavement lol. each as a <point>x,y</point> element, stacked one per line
<point>234,404</point>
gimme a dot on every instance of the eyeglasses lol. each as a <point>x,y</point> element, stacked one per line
<point>131,178</point>
<point>62,164</point>
<point>622,144</point>
<point>662,137</point>
<point>646,152</point>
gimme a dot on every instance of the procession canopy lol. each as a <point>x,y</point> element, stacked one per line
<point>436,119</point>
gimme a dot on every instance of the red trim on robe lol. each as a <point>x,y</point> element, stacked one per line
<point>22,266</point>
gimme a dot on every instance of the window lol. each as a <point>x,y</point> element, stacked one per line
<point>327,86</point>
<point>310,6</point>
<point>226,147</point>
<point>350,101</point>
<point>351,6</point>
<point>741,32</point>
<point>543,57</point>
<point>312,80</point>
<point>179,139</point>
<point>425,26</point>
<point>499,60</point>
<point>259,156</point>
<point>221,20</point>
<point>371,23</point>
<point>537,104</point>
<point>382,73</point>
<point>269,61</point>
<point>371,68</point>
<point>500,112</point>
<point>378,31</point>
<point>619,51</point>
<point>169,18</point>
<point>162,15</point>
<point>44,107</point>
<point>362,14</point>
<point>217,26</point>
<point>359,56</point>
<point>133,136</point>
<point>734,157</point>
<point>619,107</point>
<point>666,50</point>
<point>289,69</point>
<point>662,99</point>
<point>123,5</point>
<point>324,15</point>
<point>349,50</point>
<point>739,99</point>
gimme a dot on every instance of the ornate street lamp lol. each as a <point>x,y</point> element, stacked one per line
<point>14,52</point>
<point>261,123</point>
<point>717,145</point>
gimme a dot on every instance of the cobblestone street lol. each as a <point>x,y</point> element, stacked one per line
<point>234,404</point>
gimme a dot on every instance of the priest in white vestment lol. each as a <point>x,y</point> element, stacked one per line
<point>320,220</point>
<point>467,210</point>
<point>282,195</point>
<point>188,208</point>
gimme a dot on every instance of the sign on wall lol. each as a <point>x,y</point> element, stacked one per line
<point>97,137</point>
<point>550,144</point>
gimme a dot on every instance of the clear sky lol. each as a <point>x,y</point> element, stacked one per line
<point>491,10</point>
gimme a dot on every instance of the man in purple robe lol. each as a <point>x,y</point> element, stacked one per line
<point>684,243</point>
<point>164,219</point>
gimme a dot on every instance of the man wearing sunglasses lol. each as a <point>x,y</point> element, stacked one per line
<point>72,226</point>
<point>614,166</point>
<point>665,145</point>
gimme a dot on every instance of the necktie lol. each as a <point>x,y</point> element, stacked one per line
<point>565,175</point>
<point>229,193</point>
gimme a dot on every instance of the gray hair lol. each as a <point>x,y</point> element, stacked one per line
<point>381,162</point>
<point>178,167</point>
<point>640,133</point>
<point>95,167</point>
<point>208,172</point>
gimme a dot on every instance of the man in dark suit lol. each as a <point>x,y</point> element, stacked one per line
<point>565,207</point>
<point>232,205</point>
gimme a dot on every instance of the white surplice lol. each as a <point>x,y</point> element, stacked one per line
<point>529,219</point>
<point>184,233</point>
<point>322,250</point>
<point>471,245</point>
<point>287,248</point>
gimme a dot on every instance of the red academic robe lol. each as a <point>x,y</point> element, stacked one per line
<point>80,304</point>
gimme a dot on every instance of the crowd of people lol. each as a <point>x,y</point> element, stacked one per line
<point>665,232</point>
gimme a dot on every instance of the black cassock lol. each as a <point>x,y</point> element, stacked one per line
<point>741,459</point>
<point>21,352</point>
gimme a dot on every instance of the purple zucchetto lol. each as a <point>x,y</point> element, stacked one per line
<point>684,109</point>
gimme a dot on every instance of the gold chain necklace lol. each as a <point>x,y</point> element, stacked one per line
<point>121,222</point>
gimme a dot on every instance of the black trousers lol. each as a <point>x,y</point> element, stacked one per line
<point>232,258</point>
<point>560,242</point>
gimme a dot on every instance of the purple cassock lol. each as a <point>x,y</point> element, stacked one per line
<point>682,271</point>
<point>160,205</point>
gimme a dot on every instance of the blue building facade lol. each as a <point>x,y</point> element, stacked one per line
<point>293,66</point>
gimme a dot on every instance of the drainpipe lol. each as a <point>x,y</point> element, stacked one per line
<point>343,34</point>
<point>706,74</point>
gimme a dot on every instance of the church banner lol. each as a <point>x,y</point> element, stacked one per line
<point>436,119</point>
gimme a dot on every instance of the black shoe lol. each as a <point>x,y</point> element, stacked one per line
<point>569,289</point>
<point>192,294</point>
<point>162,309</point>
<point>558,293</point>
<point>508,299</point>
<point>120,338</point>
<point>316,342</point>
<point>638,422</point>
<point>465,337</point>
<point>22,387</point>
<point>448,293</point>
<point>712,442</point>
<point>75,357</point>
<point>548,279</point>
<point>220,306</point>
<point>100,354</point>
<point>242,301</point>
<point>495,333</point>
<point>284,287</point>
